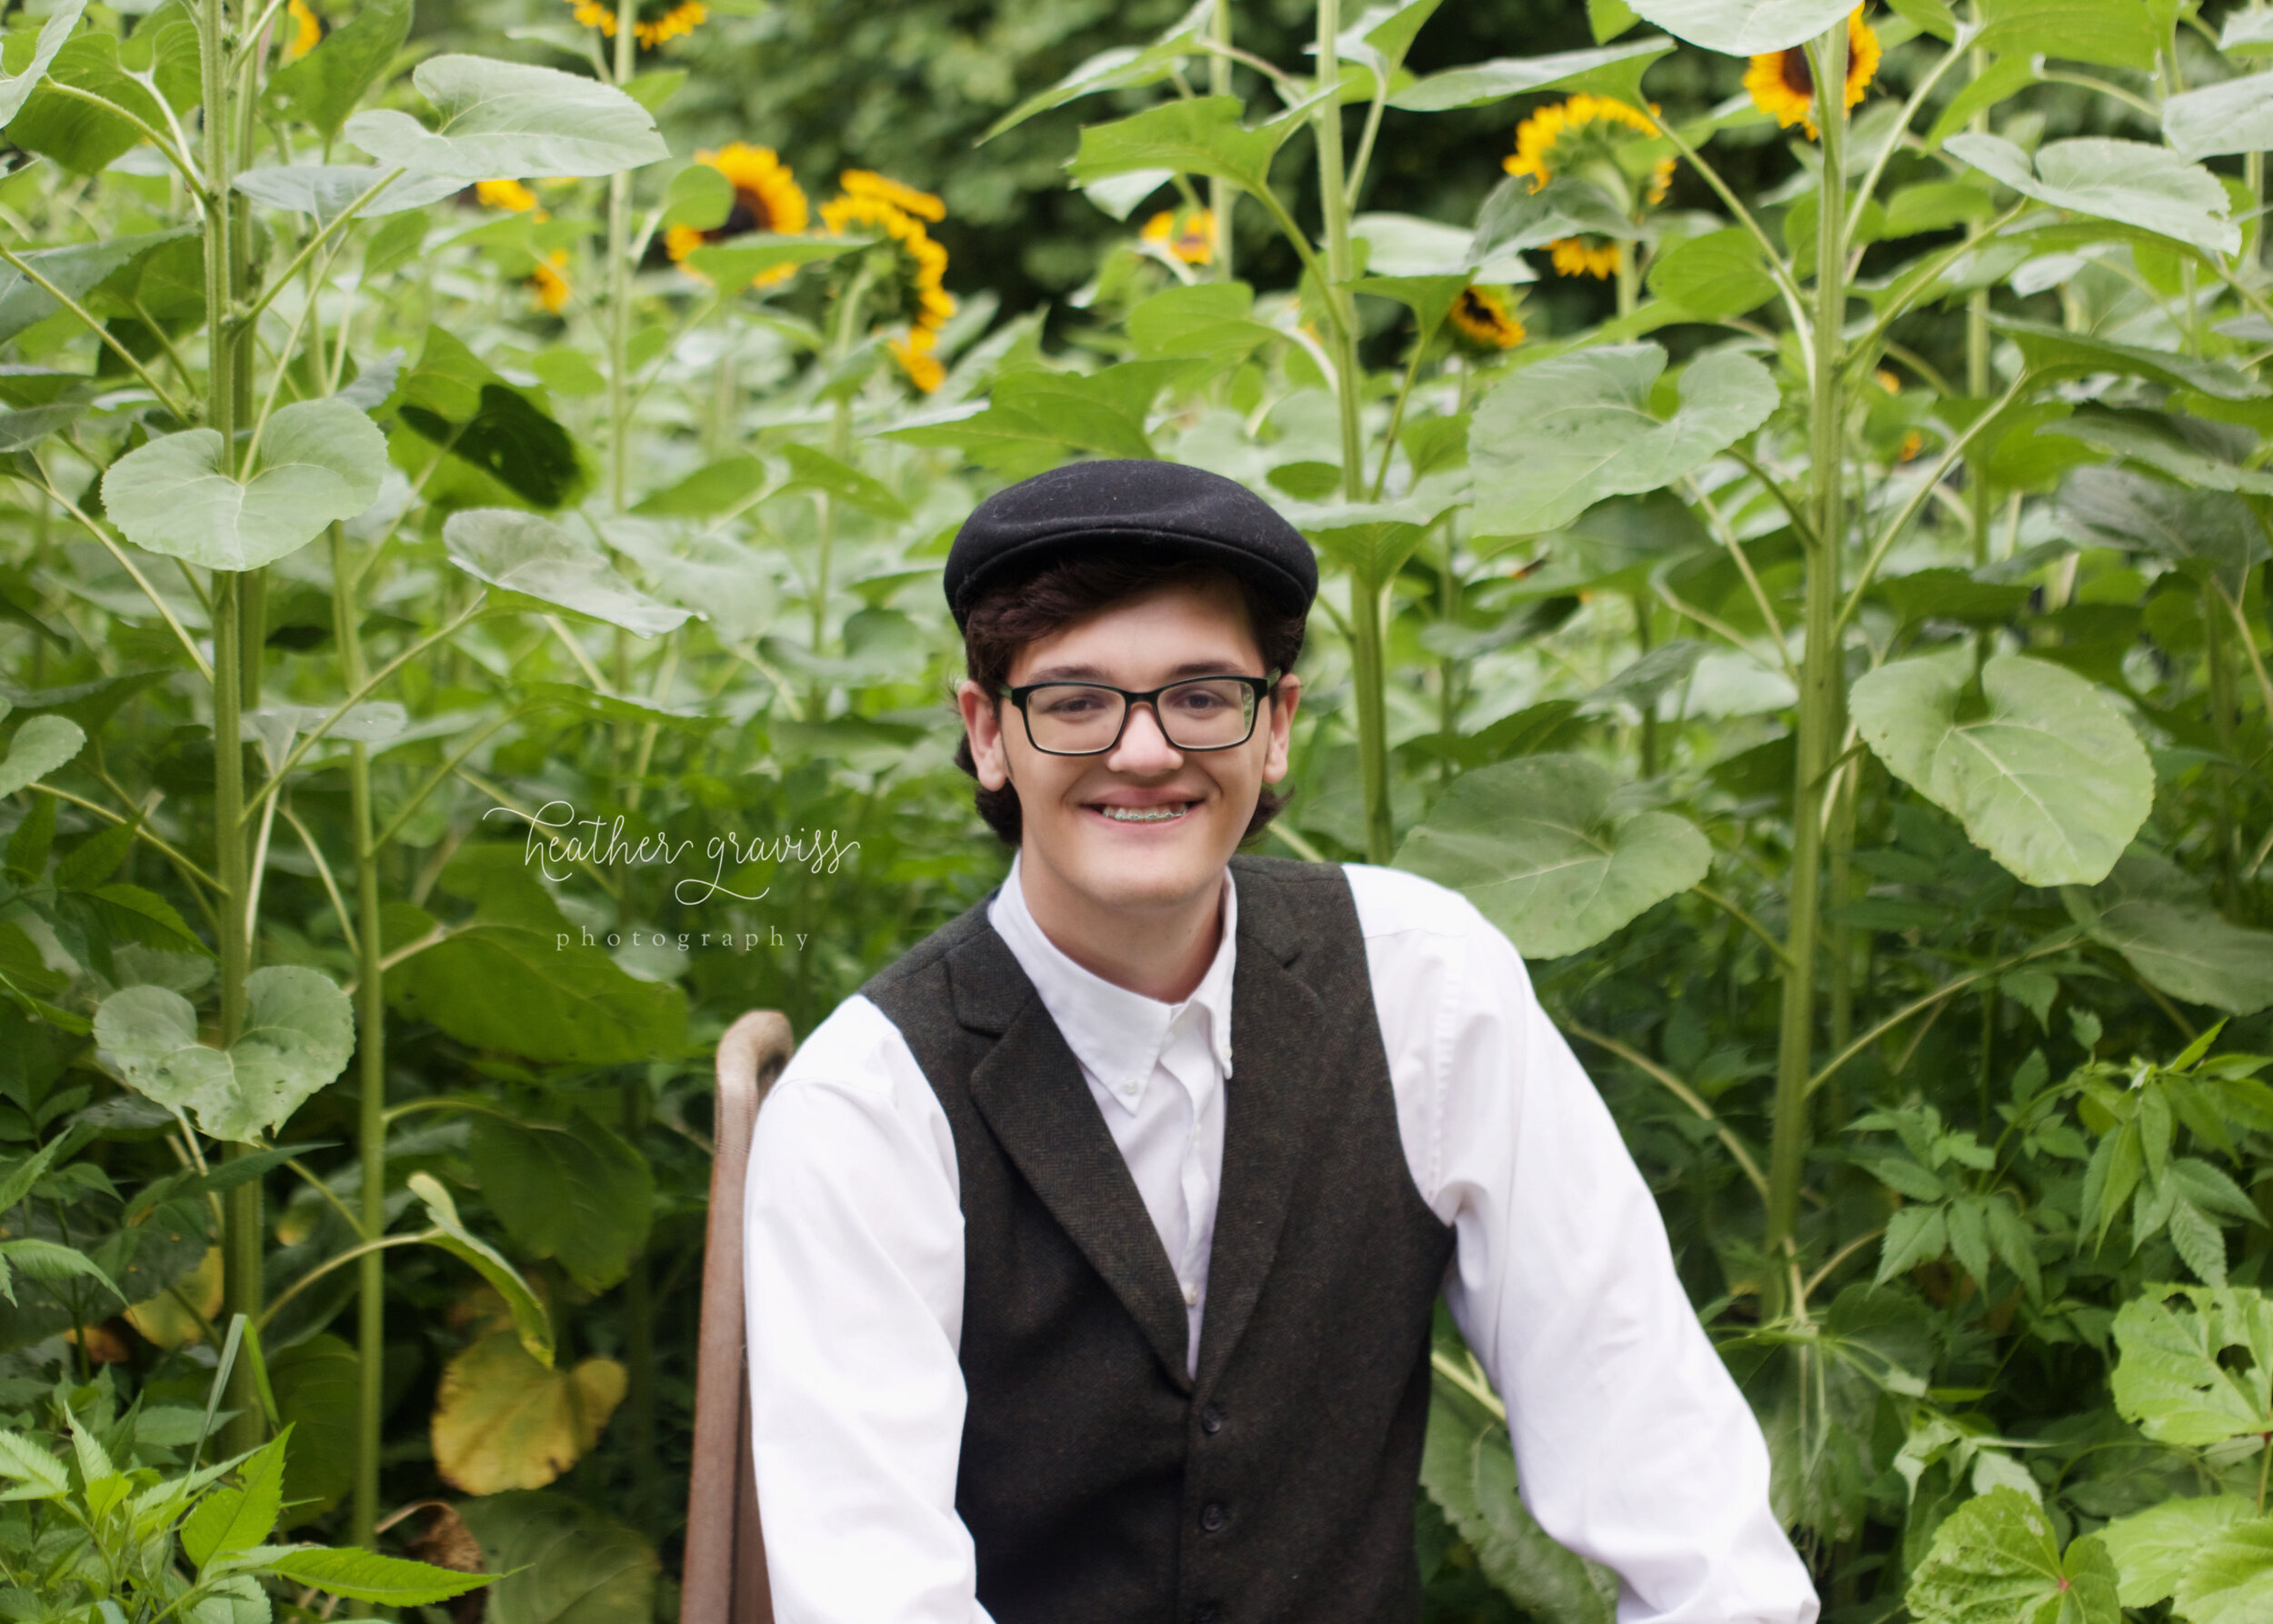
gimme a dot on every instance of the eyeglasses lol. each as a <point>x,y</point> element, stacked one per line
<point>1086,718</point>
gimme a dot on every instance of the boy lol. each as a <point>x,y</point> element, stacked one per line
<point>1057,1315</point>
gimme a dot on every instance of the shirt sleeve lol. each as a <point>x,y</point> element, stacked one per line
<point>853,1230</point>
<point>1633,1445</point>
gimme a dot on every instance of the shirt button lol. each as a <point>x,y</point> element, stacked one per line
<point>1191,1295</point>
<point>1211,1421</point>
<point>1212,1518</point>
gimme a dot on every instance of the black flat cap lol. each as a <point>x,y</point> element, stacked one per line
<point>1156,505</point>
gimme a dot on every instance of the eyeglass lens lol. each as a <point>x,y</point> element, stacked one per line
<point>1076,718</point>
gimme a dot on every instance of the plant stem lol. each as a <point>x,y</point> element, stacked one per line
<point>619,282</point>
<point>640,1346</point>
<point>1976,364</point>
<point>1368,599</point>
<point>1222,195</point>
<point>2224,709</point>
<point>1368,641</point>
<point>1648,707</point>
<point>224,269</point>
<point>1334,206</point>
<point>371,1056</point>
<point>1819,674</point>
<point>646,1480</point>
<point>1841,934</point>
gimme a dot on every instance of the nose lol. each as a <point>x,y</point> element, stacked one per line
<point>1143,747</point>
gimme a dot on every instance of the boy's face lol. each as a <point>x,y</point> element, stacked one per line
<point>1081,843</point>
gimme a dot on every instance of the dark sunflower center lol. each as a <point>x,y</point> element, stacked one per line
<point>749,212</point>
<point>1793,66</point>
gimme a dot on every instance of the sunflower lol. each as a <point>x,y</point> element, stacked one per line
<point>766,197</point>
<point>1186,235</point>
<point>656,21</point>
<point>867,182</point>
<point>871,203</point>
<point>1581,135</point>
<point>1480,316</point>
<point>915,355</point>
<point>510,196</point>
<point>308,30</point>
<point>548,283</point>
<point>1781,83</point>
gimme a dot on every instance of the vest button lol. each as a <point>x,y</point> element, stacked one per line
<point>1210,1421</point>
<point>1212,1518</point>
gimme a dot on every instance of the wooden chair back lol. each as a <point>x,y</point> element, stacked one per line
<point>722,1580</point>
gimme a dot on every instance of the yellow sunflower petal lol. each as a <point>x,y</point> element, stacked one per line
<point>682,18</point>
<point>1186,235</point>
<point>1576,256</point>
<point>510,196</point>
<point>308,30</point>
<point>549,286</point>
<point>678,241</point>
<point>867,182</point>
<point>1482,315</point>
<point>1782,84</point>
<point>924,368</point>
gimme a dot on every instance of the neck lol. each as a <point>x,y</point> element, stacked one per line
<point>1159,950</point>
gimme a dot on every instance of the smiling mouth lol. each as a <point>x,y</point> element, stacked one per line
<point>1167,814</point>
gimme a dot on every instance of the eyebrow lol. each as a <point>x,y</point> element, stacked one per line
<point>1087,673</point>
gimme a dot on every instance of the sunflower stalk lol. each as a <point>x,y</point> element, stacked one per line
<point>639,1339</point>
<point>228,399</point>
<point>1369,635</point>
<point>1977,362</point>
<point>371,1058</point>
<point>1222,195</point>
<point>1820,673</point>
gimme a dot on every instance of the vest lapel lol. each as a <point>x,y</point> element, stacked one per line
<point>1029,1088</point>
<point>1275,1024</point>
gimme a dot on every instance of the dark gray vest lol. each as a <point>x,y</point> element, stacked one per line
<point>1101,1484</point>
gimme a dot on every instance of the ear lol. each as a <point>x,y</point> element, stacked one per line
<point>1284,703</point>
<point>982,724</point>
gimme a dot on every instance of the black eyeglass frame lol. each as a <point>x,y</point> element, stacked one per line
<point>1264,689</point>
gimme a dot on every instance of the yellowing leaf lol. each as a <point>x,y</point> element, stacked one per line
<point>501,1421</point>
<point>165,1319</point>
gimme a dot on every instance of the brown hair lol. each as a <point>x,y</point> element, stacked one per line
<point>1017,610</point>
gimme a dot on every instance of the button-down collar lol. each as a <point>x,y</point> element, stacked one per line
<point>1119,1035</point>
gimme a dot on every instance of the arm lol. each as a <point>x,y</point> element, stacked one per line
<point>1632,1443</point>
<point>855,1278</point>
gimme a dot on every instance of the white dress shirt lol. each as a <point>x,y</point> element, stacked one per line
<point>1633,1445</point>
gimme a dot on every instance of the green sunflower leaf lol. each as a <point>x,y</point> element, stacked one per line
<point>2042,769</point>
<point>1534,843</point>
<point>507,120</point>
<point>316,462</point>
<point>2132,182</point>
<point>1553,439</point>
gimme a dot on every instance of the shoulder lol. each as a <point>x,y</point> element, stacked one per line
<point>1429,944</point>
<point>856,1047</point>
<point>851,1099</point>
